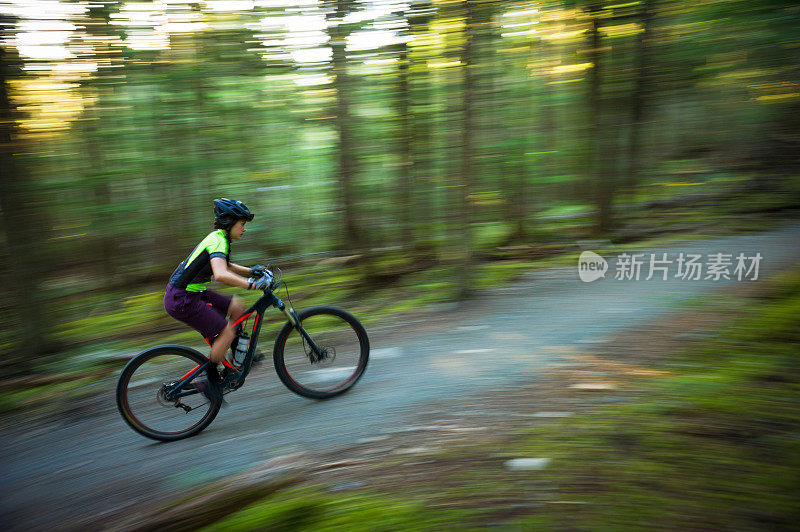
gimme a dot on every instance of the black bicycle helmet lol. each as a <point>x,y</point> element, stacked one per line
<point>231,209</point>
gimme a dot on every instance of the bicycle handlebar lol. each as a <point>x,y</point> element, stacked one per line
<point>276,280</point>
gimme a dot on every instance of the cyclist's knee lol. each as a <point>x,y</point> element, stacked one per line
<point>236,309</point>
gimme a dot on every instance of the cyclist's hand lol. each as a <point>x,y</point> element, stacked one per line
<point>261,283</point>
<point>259,271</point>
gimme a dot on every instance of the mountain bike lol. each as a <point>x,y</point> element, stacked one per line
<point>320,352</point>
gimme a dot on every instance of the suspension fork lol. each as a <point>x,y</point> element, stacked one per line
<point>291,315</point>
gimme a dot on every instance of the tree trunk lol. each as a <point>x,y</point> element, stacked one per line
<point>603,182</point>
<point>101,194</point>
<point>162,182</point>
<point>354,239</point>
<point>421,132</point>
<point>465,177</point>
<point>639,97</point>
<point>405,185</point>
<point>25,232</point>
<point>516,170</point>
<point>547,110</point>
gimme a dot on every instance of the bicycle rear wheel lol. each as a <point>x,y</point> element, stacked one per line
<point>345,346</point>
<point>142,394</point>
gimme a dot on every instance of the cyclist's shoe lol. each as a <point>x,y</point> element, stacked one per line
<point>209,387</point>
<point>258,358</point>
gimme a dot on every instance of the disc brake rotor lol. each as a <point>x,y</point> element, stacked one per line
<point>161,396</point>
<point>329,354</point>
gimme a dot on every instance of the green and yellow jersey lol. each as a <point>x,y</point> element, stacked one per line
<point>194,273</point>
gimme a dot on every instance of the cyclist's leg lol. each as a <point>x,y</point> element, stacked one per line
<point>236,309</point>
<point>222,342</point>
<point>205,318</point>
<point>221,331</point>
<point>191,309</point>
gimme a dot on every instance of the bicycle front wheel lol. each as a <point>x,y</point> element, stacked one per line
<point>343,342</point>
<point>145,402</point>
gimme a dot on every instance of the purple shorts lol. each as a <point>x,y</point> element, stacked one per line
<point>204,311</point>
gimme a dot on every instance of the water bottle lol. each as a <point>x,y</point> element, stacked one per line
<point>241,349</point>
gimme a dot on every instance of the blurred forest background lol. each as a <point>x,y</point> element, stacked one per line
<point>381,142</point>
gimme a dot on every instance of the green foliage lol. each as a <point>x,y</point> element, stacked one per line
<point>308,508</point>
<point>139,313</point>
<point>497,274</point>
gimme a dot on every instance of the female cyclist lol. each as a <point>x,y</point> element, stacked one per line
<point>187,299</point>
